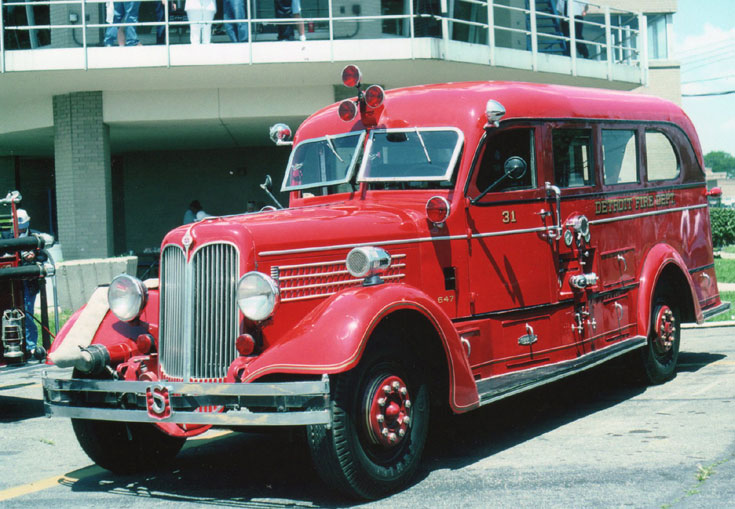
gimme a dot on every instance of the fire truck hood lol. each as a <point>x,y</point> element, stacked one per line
<point>304,229</point>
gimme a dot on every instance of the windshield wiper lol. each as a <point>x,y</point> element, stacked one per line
<point>423,145</point>
<point>331,147</point>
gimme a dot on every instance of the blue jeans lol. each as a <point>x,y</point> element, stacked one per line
<point>30,290</point>
<point>125,12</point>
<point>235,9</point>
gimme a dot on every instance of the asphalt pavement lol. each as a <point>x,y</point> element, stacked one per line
<point>597,439</point>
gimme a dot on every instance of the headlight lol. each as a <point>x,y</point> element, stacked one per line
<point>127,296</point>
<point>257,296</point>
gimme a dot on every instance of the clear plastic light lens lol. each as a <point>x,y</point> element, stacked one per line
<point>257,296</point>
<point>127,297</point>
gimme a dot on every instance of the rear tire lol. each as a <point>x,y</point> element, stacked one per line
<point>126,448</point>
<point>661,353</point>
<point>380,422</point>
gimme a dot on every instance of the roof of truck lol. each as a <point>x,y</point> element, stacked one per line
<point>463,105</point>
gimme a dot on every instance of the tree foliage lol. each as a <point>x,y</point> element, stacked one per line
<point>720,161</point>
<point>723,226</point>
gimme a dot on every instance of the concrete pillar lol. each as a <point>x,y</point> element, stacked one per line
<point>83,177</point>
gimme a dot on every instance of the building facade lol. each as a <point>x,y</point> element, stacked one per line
<point>108,145</point>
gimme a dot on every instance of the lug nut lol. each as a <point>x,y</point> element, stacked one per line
<point>407,420</point>
<point>396,385</point>
<point>386,389</point>
<point>380,418</point>
<point>407,404</point>
<point>381,401</point>
<point>402,432</point>
<point>385,432</point>
<point>392,437</point>
<point>404,391</point>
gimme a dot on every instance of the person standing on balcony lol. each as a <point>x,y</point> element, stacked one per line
<point>289,9</point>
<point>200,14</point>
<point>125,12</point>
<point>578,10</point>
<point>235,9</point>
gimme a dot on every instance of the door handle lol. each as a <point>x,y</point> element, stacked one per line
<point>621,258</point>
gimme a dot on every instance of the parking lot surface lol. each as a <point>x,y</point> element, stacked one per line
<point>599,438</point>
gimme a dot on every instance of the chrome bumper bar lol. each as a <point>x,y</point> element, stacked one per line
<point>249,404</point>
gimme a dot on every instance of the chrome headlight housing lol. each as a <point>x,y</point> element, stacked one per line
<point>257,296</point>
<point>127,296</point>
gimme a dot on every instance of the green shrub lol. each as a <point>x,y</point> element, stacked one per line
<point>723,226</point>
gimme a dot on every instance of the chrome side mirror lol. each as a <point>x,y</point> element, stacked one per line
<point>281,134</point>
<point>494,112</point>
<point>515,167</point>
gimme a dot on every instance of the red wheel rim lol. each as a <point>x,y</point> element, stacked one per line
<point>388,411</point>
<point>664,329</point>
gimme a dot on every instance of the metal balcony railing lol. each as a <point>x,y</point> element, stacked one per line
<point>611,36</point>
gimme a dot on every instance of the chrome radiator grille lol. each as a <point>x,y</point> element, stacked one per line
<point>321,279</point>
<point>199,315</point>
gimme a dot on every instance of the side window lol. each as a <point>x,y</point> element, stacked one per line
<point>573,157</point>
<point>499,147</point>
<point>661,160</point>
<point>619,156</point>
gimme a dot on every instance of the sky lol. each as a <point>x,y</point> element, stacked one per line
<point>704,44</point>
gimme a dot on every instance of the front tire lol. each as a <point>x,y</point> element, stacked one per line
<point>661,352</point>
<point>380,421</point>
<point>126,448</point>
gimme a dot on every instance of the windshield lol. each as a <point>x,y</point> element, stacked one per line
<point>322,162</point>
<point>411,154</point>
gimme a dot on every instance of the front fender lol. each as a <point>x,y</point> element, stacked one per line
<point>333,336</point>
<point>653,265</point>
<point>94,323</point>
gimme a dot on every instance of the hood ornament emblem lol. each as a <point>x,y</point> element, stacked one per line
<point>188,240</point>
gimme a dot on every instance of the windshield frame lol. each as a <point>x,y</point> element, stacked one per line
<point>348,175</point>
<point>447,176</point>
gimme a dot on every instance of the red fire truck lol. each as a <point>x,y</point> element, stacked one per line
<point>444,246</point>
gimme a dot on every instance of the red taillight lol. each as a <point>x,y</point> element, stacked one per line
<point>351,76</point>
<point>437,210</point>
<point>374,96</point>
<point>245,344</point>
<point>347,110</point>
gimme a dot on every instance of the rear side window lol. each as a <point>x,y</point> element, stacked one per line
<point>619,156</point>
<point>573,157</point>
<point>661,160</point>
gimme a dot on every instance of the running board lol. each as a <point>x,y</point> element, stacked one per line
<point>501,386</point>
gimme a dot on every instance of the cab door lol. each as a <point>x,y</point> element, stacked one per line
<point>511,257</point>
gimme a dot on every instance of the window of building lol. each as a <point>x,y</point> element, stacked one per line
<point>659,27</point>
<point>573,157</point>
<point>499,148</point>
<point>661,160</point>
<point>619,156</point>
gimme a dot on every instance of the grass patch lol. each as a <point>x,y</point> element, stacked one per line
<point>725,269</point>
<point>728,249</point>
<point>729,314</point>
<point>63,317</point>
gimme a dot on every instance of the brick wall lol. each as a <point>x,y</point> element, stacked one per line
<point>83,181</point>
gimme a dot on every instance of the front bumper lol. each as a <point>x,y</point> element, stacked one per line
<point>217,404</point>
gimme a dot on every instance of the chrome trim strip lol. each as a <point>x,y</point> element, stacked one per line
<point>501,386</point>
<point>364,244</point>
<point>647,214</point>
<point>242,417</point>
<point>417,240</point>
<point>510,232</point>
<point>709,313</point>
